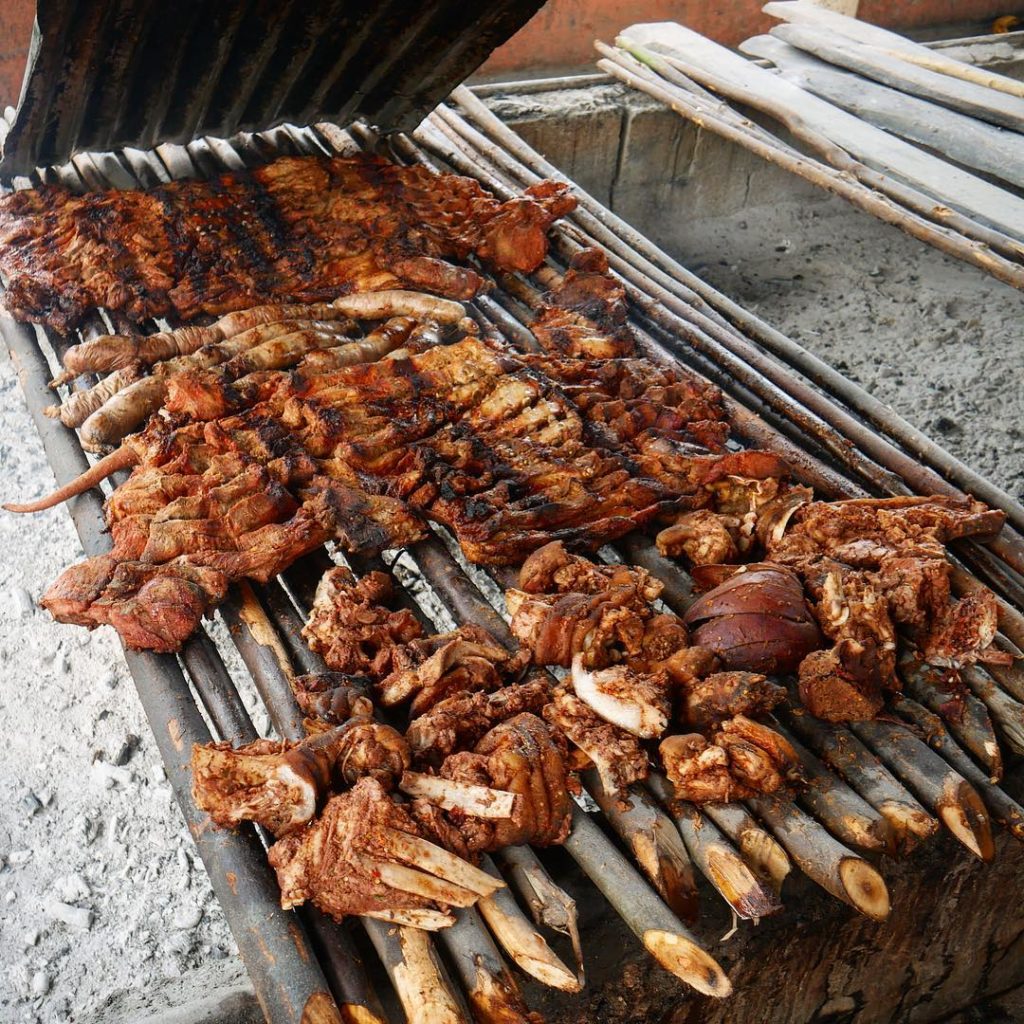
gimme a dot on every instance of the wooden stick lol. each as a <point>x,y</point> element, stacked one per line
<point>655,843</point>
<point>844,753</point>
<point>849,817</point>
<point>936,785</point>
<point>1003,808</point>
<point>523,943</point>
<point>419,883</point>
<point>968,720</point>
<point>925,199</point>
<point>824,859</point>
<point>963,139</point>
<point>1007,712</point>
<point>759,848</point>
<point>422,983</point>
<point>968,97</point>
<point>492,992</point>
<point>866,199</point>
<point>718,861</point>
<point>662,933</point>
<point>549,904</point>
<point>803,12</point>
<point>438,861</point>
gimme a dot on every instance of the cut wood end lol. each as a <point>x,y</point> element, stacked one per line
<point>428,856</point>
<point>739,886</point>
<point>765,856</point>
<point>865,888</point>
<point>872,834</point>
<point>961,810</point>
<point>688,962</point>
<point>909,824</point>
<point>669,870</point>
<point>352,1013</point>
<point>527,947</point>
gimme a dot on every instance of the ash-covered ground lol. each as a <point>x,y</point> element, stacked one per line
<point>100,888</point>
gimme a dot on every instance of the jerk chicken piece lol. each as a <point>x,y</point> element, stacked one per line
<point>351,626</point>
<point>520,756</point>
<point>630,700</point>
<point>467,660</point>
<point>742,759</point>
<point>280,785</point>
<point>366,855</point>
<point>460,721</point>
<point>830,687</point>
<point>710,701</point>
<point>585,316</point>
<point>615,753</point>
<point>602,627</point>
<point>552,569</point>
<point>333,696</point>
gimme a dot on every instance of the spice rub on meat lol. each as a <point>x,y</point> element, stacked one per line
<point>298,229</point>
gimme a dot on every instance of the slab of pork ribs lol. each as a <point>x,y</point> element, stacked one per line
<point>507,451</point>
<point>296,229</point>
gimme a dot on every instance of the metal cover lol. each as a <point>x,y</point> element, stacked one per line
<point>109,73</point>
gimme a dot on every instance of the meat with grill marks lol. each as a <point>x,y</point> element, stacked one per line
<point>298,229</point>
<point>463,434</point>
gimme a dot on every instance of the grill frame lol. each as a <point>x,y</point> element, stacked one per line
<point>287,978</point>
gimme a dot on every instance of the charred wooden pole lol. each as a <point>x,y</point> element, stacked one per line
<point>549,904</point>
<point>762,852</point>
<point>940,788</point>
<point>750,897</point>
<point>664,936</point>
<point>655,842</point>
<point>847,815</point>
<point>965,715</point>
<point>1002,807</point>
<point>824,859</point>
<point>522,943</point>
<point>845,754</point>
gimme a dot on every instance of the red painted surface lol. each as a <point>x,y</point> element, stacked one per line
<point>16,17</point>
<point>562,33</point>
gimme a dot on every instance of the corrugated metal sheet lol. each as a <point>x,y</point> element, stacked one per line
<point>109,73</point>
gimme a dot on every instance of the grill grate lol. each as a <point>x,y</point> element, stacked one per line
<point>767,407</point>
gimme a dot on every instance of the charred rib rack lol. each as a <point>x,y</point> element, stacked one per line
<point>838,869</point>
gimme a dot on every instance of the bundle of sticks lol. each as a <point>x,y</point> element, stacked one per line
<point>298,229</point>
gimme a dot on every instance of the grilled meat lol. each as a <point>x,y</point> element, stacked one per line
<point>585,316</point>
<point>635,701</point>
<point>832,688</point>
<point>355,859</point>
<point>552,569</point>
<point>299,229</point>
<point>280,785</point>
<point>460,721</point>
<point>428,671</point>
<point>333,697</point>
<point>351,626</point>
<point>615,753</point>
<point>710,701</point>
<point>520,756</point>
<point>743,759</point>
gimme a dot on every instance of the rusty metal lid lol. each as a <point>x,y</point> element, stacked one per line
<point>109,73</point>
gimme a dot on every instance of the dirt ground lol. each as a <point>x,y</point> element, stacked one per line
<point>100,890</point>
